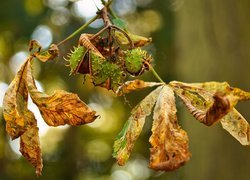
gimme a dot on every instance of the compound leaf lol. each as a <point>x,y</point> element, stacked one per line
<point>125,140</point>
<point>169,142</point>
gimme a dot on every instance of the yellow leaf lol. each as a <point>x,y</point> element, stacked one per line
<point>30,148</point>
<point>233,94</point>
<point>130,86</point>
<point>15,105</point>
<point>126,138</point>
<point>169,142</point>
<point>61,107</point>
<point>137,40</point>
<point>237,126</point>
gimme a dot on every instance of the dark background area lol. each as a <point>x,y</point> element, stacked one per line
<point>193,41</point>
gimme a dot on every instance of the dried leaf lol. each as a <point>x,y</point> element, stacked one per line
<point>30,148</point>
<point>233,122</point>
<point>232,93</point>
<point>205,105</point>
<point>50,54</point>
<point>21,122</point>
<point>15,105</point>
<point>169,142</point>
<point>84,40</point>
<point>130,86</point>
<point>35,50</point>
<point>126,138</point>
<point>34,46</point>
<point>61,107</point>
<point>237,126</point>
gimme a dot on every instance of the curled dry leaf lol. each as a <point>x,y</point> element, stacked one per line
<point>237,126</point>
<point>50,54</point>
<point>125,140</point>
<point>169,142</point>
<point>61,107</point>
<point>84,40</point>
<point>15,106</point>
<point>130,86</point>
<point>206,105</point>
<point>213,101</point>
<point>233,122</point>
<point>44,56</point>
<point>34,47</point>
<point>20,121</point>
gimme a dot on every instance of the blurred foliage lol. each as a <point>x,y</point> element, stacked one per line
<point>193,41</point>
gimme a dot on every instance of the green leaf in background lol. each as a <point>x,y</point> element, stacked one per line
<point>119,23</point>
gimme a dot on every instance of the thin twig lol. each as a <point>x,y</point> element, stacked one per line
<point>78,30</point>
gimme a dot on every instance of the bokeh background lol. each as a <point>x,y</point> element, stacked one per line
<point>193,41</point>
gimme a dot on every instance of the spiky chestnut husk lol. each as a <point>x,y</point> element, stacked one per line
<point>97,69</point>
<point>135,60</point>
<point>75,58</point>
<point>104,73</point>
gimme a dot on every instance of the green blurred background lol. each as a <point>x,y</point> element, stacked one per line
<point>193,41</point>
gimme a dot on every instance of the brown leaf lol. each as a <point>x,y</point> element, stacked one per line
<point>61,107</point>
<point>15,105</point>
<point>84,40</point>
<point>233,122</point>
<point>237,126</point>
<point>169,142</point>
<point>20,121</point>
<point>30,148</point>
<point>126,138</point>
<point>206,102</point>
<point>130,86</point>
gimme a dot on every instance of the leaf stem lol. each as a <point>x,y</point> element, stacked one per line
<point>78,30</point>
<point>156,74</point>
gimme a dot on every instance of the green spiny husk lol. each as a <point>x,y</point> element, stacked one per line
<point>75,58</point>
<point>103,71</point>
<point>135,59</point>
